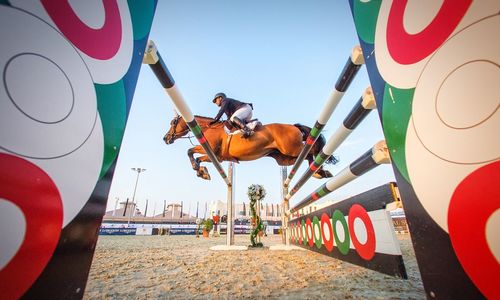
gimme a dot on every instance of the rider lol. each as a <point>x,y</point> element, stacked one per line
<point>238,112</point>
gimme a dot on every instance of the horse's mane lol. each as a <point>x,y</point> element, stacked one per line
<point>206,118</point>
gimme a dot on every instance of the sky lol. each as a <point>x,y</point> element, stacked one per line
<point>282,56</point>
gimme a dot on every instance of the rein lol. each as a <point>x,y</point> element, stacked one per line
<point>180,135</point>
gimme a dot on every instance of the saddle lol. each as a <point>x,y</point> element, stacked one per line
<point>253,124</point>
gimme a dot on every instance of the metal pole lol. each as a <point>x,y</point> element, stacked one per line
<point>138,170</point>
<point>230,206</point>
<point>116,205</point>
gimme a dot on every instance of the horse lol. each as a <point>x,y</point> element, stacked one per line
<point>283,142</point>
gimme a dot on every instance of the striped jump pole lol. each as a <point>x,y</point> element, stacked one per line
<point>153,58</point>
<point>379,154</point>
<point>350,70</point>
<point>360,110</point>
<point>285,230</point>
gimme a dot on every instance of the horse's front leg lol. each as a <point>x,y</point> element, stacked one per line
<point>195,162</point>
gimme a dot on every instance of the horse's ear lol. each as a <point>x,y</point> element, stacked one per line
<point>176,113</point>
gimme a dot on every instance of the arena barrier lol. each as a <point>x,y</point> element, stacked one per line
<point>379,250</point>
<point>153,58</point>
<point>366,236</point>
<point>366,162</point>
<point>59,148</point>
<point>435,86</point>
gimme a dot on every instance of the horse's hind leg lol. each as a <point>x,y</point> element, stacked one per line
<point>281,159</point>
<point>320,173</point>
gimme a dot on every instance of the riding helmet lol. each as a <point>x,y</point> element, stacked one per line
<point>219,95</point>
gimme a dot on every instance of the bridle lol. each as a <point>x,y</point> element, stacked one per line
<point>178,135</point>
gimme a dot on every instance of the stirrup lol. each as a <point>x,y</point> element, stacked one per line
<point>246,133</point>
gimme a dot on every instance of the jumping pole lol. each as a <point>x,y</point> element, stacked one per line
<point>153,58</point>
<point>230,206</point>
<point>366,162</point>
<point>350,70</point>
<point>360,110</point>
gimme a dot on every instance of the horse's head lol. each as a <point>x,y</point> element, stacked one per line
<point>177,129</point>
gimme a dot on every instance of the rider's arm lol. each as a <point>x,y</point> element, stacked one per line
<point>221,111</point>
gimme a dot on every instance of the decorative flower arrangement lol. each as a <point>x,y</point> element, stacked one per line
<point>255,193</point>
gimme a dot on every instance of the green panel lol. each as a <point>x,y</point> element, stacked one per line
<point>365,19</point>
<point>142,12</point>
<point>112,110</point>
<point>318,241</point>
<point>395,118</point>
<point>342,246</point>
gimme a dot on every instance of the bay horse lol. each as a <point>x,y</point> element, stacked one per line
<point>283,142</point>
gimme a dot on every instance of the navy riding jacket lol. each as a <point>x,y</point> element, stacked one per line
<point>229,106</point>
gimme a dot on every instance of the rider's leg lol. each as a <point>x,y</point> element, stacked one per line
<point>244,113</point>
<point>241,125</point>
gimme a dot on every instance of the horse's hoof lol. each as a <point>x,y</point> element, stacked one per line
<point>203,173</point>
<point>322,174</point>
<point>317,176</point>
<point>328,174</point>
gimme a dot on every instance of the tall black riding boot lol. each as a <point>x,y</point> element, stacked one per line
<point>247,132</point>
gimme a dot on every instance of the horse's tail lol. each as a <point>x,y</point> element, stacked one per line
<point>318,146</point>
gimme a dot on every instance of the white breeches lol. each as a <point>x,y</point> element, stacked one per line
<point>244,113</point>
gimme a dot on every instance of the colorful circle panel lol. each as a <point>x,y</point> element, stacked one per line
<point>327,232</point>
<point>107,50</point>
<point>447,121</point>
<point>468,227</point>
<point>448,132</point>
<point>407,48</point>
<point>59,81</point>
<point>367,249</point>
<point>33,192</point>
<point>102,43</point>
<point>403,44</point>
<point>56,110</point>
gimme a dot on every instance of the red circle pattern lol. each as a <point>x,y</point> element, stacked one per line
<point>407,48</point>
<point>325,221</point>
<point>102,43</point>
<point>366,250</point>
<point>467,227</point>
<point>35,194</point>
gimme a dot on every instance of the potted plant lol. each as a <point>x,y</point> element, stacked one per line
<point>256,193</point>
<point>207,227</point>
<point>198,225</point>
